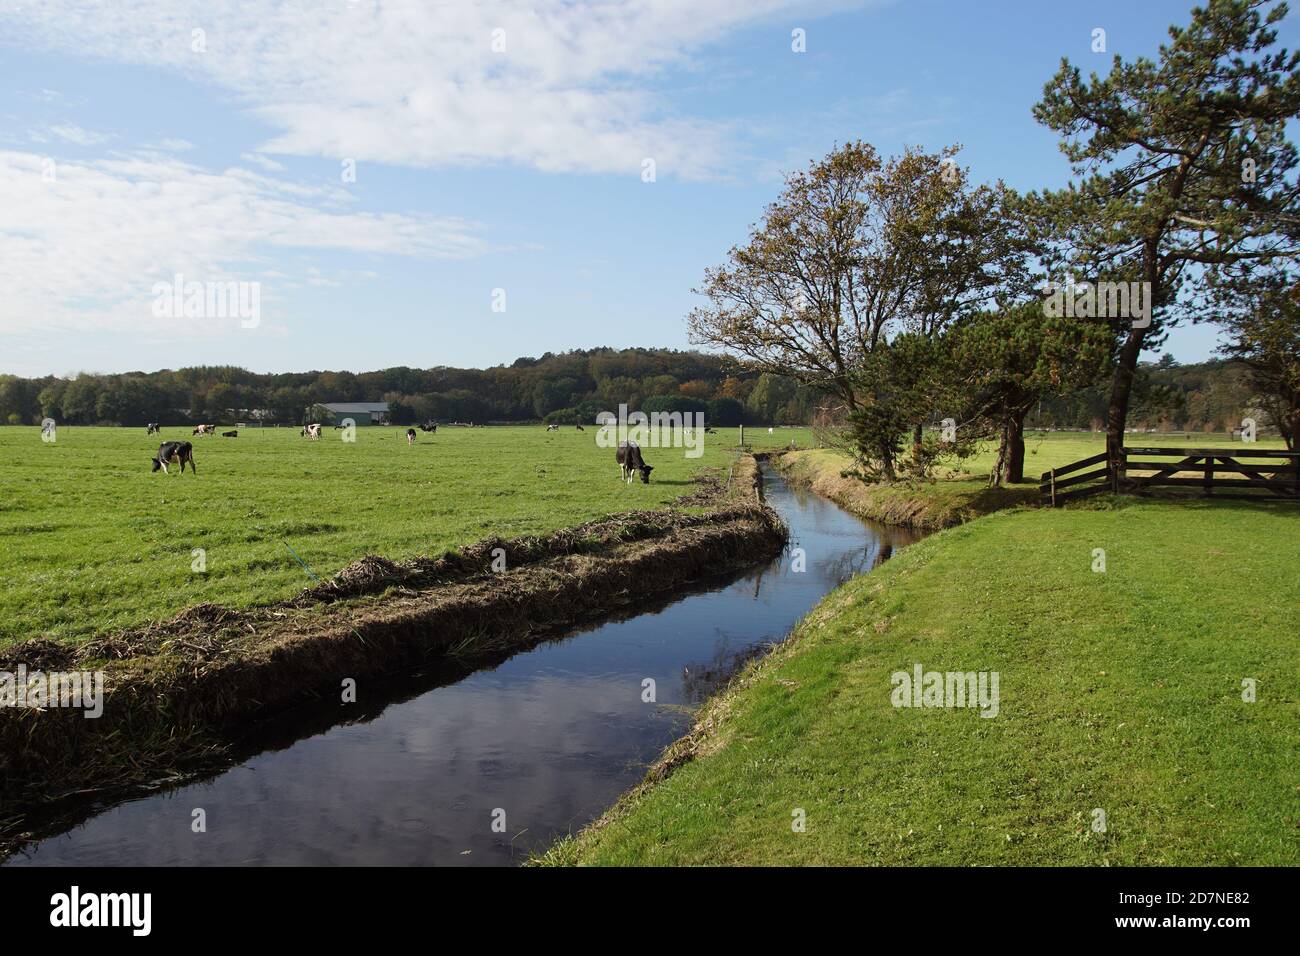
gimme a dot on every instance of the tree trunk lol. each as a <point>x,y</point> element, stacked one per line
<point>887,464</point>
<point>916,442</point>
<point>1117,411</point>
<point>1015,463</point>
<point>1000,464</point>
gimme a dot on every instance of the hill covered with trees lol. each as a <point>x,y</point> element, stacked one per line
<point>569,387</point>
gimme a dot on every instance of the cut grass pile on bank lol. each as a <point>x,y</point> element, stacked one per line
<point>1120,692</point>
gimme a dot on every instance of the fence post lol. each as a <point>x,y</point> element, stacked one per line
<point>1209,476</point>
<point>1053,474</point>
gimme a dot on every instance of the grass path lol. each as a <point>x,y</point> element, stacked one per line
<point>1119,691</point>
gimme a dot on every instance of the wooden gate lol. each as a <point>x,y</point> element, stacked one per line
<point>1218,472</point>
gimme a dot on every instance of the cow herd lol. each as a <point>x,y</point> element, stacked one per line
<point>629,458</point>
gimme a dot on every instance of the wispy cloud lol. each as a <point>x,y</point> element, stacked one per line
<point>69,133</point>
<point>550,84</point>
<point>81,244</point>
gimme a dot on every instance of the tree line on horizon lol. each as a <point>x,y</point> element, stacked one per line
<point>567,388</point>
<point>573,388</point>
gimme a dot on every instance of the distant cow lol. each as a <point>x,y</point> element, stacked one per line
<point>174,452</point>
<point>429,426</point>
<point>630,462</point>
<point>552,428</point>
<point>234,434</point>
<point>581,429</point>
<point>410,436</point>
<point>310,431</point>
<point>154,428</point>
<point>205,430</point>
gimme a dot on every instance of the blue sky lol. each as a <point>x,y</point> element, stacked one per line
<point>518,169</point>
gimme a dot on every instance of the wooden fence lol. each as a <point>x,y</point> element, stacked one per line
<point>1217,472</point>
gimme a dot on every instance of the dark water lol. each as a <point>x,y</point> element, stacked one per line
<point>551,737</point>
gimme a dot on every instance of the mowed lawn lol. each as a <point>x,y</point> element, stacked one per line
<point>91,540</point>
<point>1122,735</point>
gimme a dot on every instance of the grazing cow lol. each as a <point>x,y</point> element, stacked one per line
<point>552,428</point>
<point>430,426</point>
<point>310,431</point>
<point>769,431</point>
<point>153,428</point>
<point>234,434</point>
<point>630,462</point>
<point>205,430</point>
<point>410,436</point>
<point>174,452</point>
<point>581,429</point>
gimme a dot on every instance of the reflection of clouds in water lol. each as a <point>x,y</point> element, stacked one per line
<point>416,786</point>
<point>552,735</point>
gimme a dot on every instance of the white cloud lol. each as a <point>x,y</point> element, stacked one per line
<point>83,251</point>
<point>413,83</point>
<point>264,161</point>
<point>69,134</point>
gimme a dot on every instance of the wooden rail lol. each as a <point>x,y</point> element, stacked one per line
<point>1277,478</point>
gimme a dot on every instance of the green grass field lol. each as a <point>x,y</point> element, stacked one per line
<point>1047,450</point>
<point>91,540</point>
<point>1120,692</point>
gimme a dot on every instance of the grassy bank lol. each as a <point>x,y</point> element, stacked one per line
<point>960,490</point>
<point>1120,692</point>
<point>929,505</point>
<point>92,542</point>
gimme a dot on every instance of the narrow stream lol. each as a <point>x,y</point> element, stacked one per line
<point>539,745</point>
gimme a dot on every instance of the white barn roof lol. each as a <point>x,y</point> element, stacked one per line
<point>355,408</point>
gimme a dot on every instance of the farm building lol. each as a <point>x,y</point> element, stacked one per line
<point>363,413</point>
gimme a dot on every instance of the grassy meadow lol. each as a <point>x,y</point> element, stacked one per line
<point>1047,450</point>
<point>1120,691</point>
<point>91,540</point>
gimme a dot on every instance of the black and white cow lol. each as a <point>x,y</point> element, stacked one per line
<point>429,426</point>
<point>153,428</point>
<point>552,428</point>
<point>230,434</point>
<point>630,462</point>
<point>206,430</point>
<point>174,452</point>
<point>410,436</point>
<point>310,431</point>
